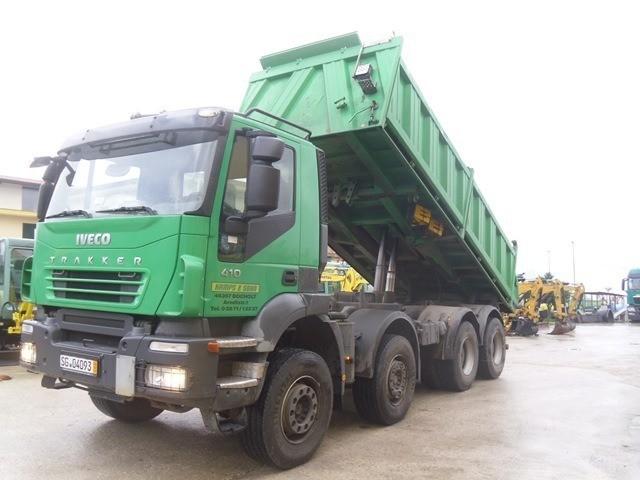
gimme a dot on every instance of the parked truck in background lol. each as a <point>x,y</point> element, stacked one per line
<point>13,253</point>
<point>631,285</point>
<point>178,256</point>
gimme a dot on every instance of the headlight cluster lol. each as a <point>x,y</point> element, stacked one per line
<point>166,378</point>
<point>28,352</point>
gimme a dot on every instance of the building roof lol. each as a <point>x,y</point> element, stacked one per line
<point>27,182</point>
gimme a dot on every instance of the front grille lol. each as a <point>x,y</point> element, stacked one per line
<point>96,285</point>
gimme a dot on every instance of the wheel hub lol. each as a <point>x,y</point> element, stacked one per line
<point>397,380</point>
<point>299,411</point>
<point>467,360</point>
<point>498,349</point>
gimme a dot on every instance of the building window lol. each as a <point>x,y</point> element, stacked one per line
<point>28,230</point>
<point>29,199</point>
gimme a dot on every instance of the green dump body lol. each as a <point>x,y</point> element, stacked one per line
<point>385,153</point>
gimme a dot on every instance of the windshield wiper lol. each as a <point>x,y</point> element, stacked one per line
<point>136,209</point>
<point>70,213</point>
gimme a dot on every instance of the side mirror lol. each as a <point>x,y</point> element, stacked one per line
<point>44,197</point>
<point>263,184</point>
<point>41,162</point>
<point>267,149</point>
<point>49,180</point>
<point>263,181</point>
<point>623,282</point>
<point>263,189</point>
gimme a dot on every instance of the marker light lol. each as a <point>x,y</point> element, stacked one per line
<point>166,378</point>
<point>208,112</point>
<point>170,347</point>
<point>28,352</point>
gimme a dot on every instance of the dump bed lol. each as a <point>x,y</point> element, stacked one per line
<point>391,168</point>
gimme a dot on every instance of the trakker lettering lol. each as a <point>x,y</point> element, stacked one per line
<point>92,260</point>
<point>93,239</point>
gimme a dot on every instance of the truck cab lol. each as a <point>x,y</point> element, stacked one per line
<point>631,285</point>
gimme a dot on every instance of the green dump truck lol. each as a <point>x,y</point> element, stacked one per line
<point>178,256</point>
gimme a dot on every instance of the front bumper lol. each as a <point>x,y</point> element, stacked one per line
<point>52,339</point>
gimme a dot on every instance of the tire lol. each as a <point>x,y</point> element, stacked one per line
<point>493,351</point>
<point>134,411</point>
<point>459,373</point>
<point>299,382</point>
<point>386,398</point>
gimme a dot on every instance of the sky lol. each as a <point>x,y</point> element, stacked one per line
<point>540,98</point>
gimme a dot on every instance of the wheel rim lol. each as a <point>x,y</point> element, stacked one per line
<point>498,349</point>
<point>299,409</point>
<point>397,377</point>
<point>467,358</point>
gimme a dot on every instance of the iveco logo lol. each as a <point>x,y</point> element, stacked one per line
<point>93,239</point>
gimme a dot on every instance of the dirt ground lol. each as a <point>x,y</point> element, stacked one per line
<point>565,407</point>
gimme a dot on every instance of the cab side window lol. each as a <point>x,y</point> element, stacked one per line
<point>231,248</point>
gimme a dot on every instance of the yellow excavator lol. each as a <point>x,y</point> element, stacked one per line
<point>543,300</point>
<point>340,277</point>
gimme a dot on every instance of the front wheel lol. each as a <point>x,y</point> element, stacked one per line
<point>133,411</point>
<point>386,398</point>
<point>288,422</point>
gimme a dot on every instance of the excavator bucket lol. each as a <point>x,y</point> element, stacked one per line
<point>562,327</point>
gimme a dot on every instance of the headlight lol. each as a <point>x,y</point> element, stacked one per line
<point>28,352</point>
<point>170,347</point>
<point>27,328</point>
<point>166,378</point>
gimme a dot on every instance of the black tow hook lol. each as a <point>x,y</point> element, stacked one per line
<point>54,384</point>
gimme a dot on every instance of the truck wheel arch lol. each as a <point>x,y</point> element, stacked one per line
<point>483,314</point>
<point>452,317</point>
<point>307,315</point>
<point>369,326</point>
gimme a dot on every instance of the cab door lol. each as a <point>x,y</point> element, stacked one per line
<point>245,270</point>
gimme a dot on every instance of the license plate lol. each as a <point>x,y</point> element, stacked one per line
<point>80,365</point>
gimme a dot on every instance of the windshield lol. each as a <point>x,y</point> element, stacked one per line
<point>169,181</point>
<point>634,284</point>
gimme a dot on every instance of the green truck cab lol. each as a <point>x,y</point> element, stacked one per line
<point>178,256</point>
<point>631,285</point>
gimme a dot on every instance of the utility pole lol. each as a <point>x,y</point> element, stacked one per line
<point>549,261</point>
<point>573,258</point>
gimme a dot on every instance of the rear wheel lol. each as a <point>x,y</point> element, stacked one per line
<point>133,411</point>
<point>493,350</point>
<point>459,373</point>
<point>288,422</point>
<point>386,397</point>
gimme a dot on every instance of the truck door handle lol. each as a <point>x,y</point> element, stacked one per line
<point>289,277</point>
